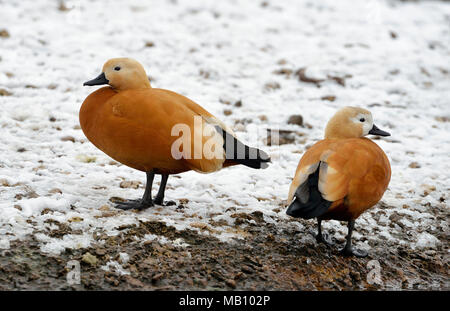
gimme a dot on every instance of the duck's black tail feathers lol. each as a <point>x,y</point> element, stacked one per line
<point>315,205</point>
<point>239,153</point>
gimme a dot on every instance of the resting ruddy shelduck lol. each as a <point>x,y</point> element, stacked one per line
<point>342,175</point>
<point>138,125</point>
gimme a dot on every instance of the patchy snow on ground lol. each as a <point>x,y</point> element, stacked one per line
<point>391,57</point>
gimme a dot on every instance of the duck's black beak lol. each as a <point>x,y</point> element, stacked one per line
<point>101,79</point>
<point>376,131</point>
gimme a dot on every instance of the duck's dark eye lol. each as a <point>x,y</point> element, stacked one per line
<point>362,119</point>
<point>117,68</point>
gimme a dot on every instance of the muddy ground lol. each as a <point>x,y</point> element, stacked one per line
<point>269,258</point>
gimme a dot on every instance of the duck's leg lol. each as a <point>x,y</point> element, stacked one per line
<point>322,237</point>
<point>348,250</point>
<point>146,200</point>
<point>159,199</point>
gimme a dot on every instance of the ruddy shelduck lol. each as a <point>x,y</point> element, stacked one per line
<point>138,125</point>
<point>342,175</point>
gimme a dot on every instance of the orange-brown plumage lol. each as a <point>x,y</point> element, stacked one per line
<point>134,124</point>
<point>342,175</point>
<point>363,174</point>
<point>134,127</point>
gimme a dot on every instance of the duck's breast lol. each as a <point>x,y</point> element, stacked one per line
<point>91,112</point>
<point>360,169</point>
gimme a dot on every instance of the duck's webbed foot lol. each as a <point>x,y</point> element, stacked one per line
<point>139,204</point>
<point>325,239</point>
<point>134,204</point>
<point>162,203</point>
<point>322,237</point>
<point>350,251</point>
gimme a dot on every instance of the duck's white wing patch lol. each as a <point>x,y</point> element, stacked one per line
<point>333,184</point>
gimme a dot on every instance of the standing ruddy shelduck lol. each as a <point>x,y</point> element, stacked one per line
<point>137,125</point>
<point>342,175</point>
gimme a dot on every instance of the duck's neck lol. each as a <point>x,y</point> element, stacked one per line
<point>135,85</point>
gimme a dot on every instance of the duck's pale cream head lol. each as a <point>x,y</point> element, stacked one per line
<point>352,122</point>
<point>122,74</point>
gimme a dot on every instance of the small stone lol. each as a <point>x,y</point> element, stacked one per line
<point>283,71</point>
<point>442,119</point>
<point>428,189</point>
<point>262,118</point>
<point>68,138</point>
<point>355,275</point>
<point>100,251</point>
<point>149,44</point>
<point>86,159</point>
<point>34,276</point>
<point>231,283</point>
<point>227,112</point>
<point>46,211</point>
<point>183,201</point>
<point>4,33</point>
<point>199,225</point>
<point>62,7</point>
<point>271,86</point>
<point>130,184</point>
<point>239,275</point>
<point>330,98</point>
<point>134,282</point>
<point>296,119</point>
<point>89,259</point>
<point>4,92</point>
<point>55,191</point>
<point>157,277</point>
<point>104,208</point>
<point>75,219</point>
<point>247,269</point>
<point>29,195</point>
<point>414,165</point>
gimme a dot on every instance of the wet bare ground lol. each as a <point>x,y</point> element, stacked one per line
<point>269,258</point>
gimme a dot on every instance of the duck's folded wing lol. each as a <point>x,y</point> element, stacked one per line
<point>307,166</point>
<point>199,110</point>
<point>340,167</point>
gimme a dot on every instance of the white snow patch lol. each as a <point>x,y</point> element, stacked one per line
<point>179,242</point>
<point>114,266</point>
<point>426,240</point>
<point>55,246</point>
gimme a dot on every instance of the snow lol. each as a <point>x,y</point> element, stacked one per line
<point>215,52</point>
<point>426,240</point>
<point>115,266</point>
